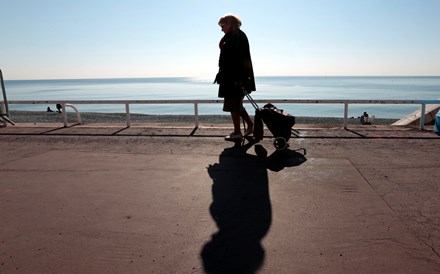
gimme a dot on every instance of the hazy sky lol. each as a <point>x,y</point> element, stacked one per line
<point>50,39</point>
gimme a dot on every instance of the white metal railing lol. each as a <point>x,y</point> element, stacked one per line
<point>4,109</point>
<point>127,103</point>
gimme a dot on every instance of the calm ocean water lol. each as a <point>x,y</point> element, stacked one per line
<point>371,88</point>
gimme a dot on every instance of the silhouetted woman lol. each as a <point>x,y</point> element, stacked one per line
<point>235,73</point>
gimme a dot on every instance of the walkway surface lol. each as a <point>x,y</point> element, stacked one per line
<point>171,199</point>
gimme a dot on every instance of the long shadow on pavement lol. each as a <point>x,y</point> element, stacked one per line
<point>241,207</point>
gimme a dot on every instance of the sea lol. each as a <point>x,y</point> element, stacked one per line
<point>193,88</point>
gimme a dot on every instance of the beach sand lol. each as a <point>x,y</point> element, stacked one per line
<point>94,117</point>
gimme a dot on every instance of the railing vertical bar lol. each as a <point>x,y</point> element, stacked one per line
<point>345,115</point>
<point>196,114</point>
<point>127,114</point>
<point>422,116</point>
<point>6,107</point>
<point>64,114</point>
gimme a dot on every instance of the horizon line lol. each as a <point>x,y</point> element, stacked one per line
<point>204,77</point>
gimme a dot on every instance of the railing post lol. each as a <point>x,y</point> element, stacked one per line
<point>196,114</point>
<point>345,114</point>
<point>127,114</point>
<point>6,107</point>
<point>422,116</point>
<point>64,114</point>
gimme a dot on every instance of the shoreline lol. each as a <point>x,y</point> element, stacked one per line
<point>22,116</point>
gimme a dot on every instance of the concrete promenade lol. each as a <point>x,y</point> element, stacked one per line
<point>171,199</point>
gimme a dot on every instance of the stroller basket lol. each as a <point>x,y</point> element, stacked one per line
<point>279,124</point>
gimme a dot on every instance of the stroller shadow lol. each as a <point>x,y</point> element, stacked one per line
<point>241,208</point>
<point>281,159</point>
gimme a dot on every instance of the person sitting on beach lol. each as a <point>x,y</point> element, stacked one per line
<point>59,107</point>
<point>365,120</point>
<point>49,110</point>
<point>235,73</point>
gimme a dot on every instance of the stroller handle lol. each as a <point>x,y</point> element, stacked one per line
<point>248,96</point>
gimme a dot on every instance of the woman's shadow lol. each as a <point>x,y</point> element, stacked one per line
<point>241,208</point>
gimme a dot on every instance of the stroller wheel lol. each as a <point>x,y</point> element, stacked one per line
<point>280,143</point>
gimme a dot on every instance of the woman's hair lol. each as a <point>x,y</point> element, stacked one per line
<point>233,19</point>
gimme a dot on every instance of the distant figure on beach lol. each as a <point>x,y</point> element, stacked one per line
<point>365,120</point>
<point>235,73</point>
<point>59,107</point>
<point>49,110</point>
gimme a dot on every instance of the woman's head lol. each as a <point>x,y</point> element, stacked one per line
<point>229,22</point>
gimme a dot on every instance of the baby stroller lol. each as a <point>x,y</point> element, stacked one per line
<point>279,124</point>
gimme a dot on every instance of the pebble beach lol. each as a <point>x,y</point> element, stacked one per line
<point>94,117</point>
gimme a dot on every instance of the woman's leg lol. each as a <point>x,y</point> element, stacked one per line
<point>236,121</point>
<point>247,119</point>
